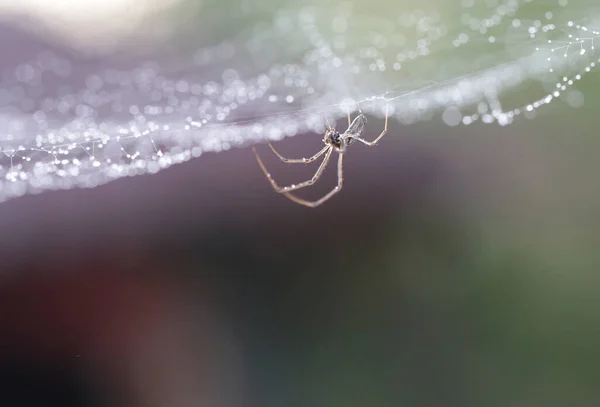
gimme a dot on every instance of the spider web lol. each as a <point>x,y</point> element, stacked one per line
<point>269,72</point>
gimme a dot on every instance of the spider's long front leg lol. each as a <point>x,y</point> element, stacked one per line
<point>293,187</point>
<point>298,160</point>
<point>314,204</point>
<point>385,128</point>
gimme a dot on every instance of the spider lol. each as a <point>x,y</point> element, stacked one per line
<point>333,140</point>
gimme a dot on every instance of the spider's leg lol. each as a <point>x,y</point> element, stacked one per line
<point>298,160</point>
<point>294,186</point>
<point>314,204</point>
<point>385,127</point>
<point>349,121</point>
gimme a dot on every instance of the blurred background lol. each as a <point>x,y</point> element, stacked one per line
<point>458,267</point>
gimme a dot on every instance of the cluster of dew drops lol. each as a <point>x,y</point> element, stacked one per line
<point>578,43</point>
<point>89,134</point>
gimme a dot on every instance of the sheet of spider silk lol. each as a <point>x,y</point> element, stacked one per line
<point>218,75</point>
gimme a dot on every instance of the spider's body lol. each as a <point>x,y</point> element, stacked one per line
<point>333,138</point>
<point>334,141</point>
<point>354,131</point>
